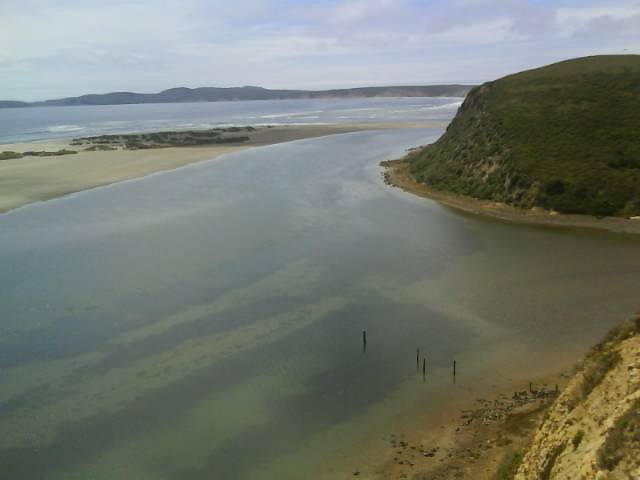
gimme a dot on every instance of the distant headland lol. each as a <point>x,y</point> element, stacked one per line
<point>216,94</point>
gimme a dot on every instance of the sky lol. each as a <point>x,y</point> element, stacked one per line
<point>59,48</point>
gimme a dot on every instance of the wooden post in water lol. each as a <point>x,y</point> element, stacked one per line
<point>417,359</point>
<point>424,367</point>
<point>454,372</point>
<point>364,340</point>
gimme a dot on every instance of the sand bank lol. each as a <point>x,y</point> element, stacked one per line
<point>397,174</point>
<point>33,179</point>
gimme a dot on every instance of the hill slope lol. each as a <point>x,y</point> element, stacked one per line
<point>215,94</point>
<point>563,137</point>
<point>592,430</point>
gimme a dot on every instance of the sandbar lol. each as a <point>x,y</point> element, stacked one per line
<point>34,179</point>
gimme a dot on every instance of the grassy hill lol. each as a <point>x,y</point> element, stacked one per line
<point>564,137</point>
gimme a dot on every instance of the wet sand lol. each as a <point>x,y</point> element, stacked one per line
<point>472,439</point>
<point>397,174</point>
<point>34,179</point>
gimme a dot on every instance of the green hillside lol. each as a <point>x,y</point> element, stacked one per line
<point>564,137</point>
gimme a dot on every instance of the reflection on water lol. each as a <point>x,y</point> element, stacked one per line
<point>207,322</point>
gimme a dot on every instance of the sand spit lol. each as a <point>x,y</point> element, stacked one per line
<point>37,178</point>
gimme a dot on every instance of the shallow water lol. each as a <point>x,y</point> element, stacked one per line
<point>207,322</point>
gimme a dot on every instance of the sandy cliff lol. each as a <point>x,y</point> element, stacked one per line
<point>592,430</point>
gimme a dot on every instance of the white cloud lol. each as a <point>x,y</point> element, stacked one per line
<point>350,11</point>
<point>75,47</point>
<point>588,13</point>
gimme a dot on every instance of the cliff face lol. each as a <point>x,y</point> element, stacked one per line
<point>592,430</point>
<point>562,137</point>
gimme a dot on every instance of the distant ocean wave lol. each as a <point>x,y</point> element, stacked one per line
<point>443,107</point>
<point>291,114</point>
<point>64,128</point>
<point>345,110</point>
<point>72,122</point>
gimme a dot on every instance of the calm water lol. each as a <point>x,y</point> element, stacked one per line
<point>45,123</point>
<point>206,323</point>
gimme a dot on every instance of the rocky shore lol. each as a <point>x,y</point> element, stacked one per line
<point>475,442</point>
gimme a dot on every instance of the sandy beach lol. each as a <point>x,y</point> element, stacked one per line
<point>397,174</point>
<point>34,179</point>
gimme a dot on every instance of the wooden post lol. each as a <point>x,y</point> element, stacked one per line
<point>424,367</point>
<point>364,340</point>
<point>417,359</point>
<point>454,368</point>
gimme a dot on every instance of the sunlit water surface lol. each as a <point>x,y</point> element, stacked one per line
<point>206,323</point>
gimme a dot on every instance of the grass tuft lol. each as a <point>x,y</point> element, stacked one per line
<point>509,466</point>
<point>623,440</point>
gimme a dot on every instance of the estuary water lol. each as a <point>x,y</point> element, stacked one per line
<point>206,323</point>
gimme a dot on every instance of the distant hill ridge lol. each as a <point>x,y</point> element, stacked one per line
<point>215,94</point>
<point>564,137</point>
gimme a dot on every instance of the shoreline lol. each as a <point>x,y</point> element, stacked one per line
<point>466,429</point>
<point>473,439</point>
<point>32,179</point>
<point>396,173</point>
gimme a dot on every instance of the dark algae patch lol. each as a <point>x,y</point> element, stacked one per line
<point>562,137</point>
<point>8,155</point>
<point>187,138</point>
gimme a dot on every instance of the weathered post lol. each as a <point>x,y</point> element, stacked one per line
<point>454,368</point>
<point>417,359</point>
<point>364,340</point>
<point>424,367</point>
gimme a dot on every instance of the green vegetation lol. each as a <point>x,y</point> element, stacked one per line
<point>509,466</point>
<point>604,356</point>
<point>99,148</point>
<point>562,137</point>
<point>139,141</point>
<point>598,368</point>
<point>42,153</point>
<point>624,438</point>
<point>10,155</point>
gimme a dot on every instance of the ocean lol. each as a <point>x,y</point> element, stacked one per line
<point>47,123</point>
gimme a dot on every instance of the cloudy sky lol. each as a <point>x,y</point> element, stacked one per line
<point>56,48</point>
